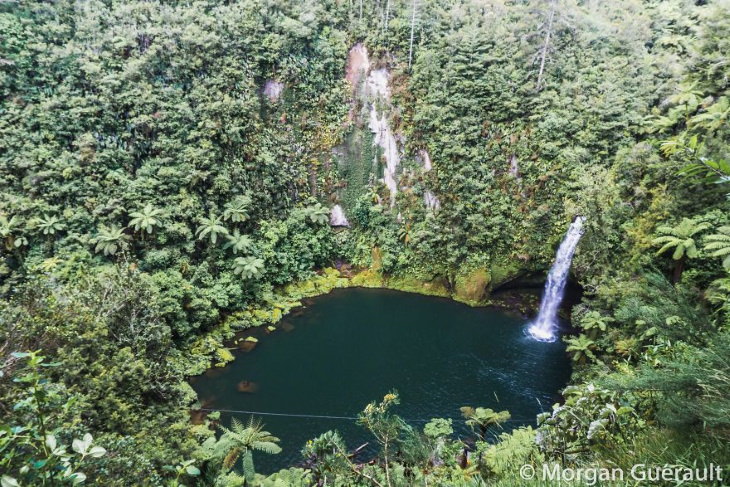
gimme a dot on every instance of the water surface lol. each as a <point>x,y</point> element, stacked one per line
<point>355,345</point>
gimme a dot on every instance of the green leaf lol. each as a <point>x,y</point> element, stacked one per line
<point>97,452</point>
<point>7,481</point>
<point>78,478</point>
<point>192,470</point>
<point>81,446</point>
<point>51,442</point>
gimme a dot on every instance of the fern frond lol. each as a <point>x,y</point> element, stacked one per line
<point>267,447</point>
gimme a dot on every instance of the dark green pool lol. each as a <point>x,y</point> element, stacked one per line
<point>354,345</point>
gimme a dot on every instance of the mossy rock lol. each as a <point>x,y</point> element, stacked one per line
<point>435,287</point>
<point>331,273</point>
<point>306,288</point>
<point>502,272</point>
<point>377,259</point>
<point>238,320</point>
<point>318,285</point>
<point>471,287</point>
<point>261,315</point>
<point>224,355</point>
<point>251,339</point>
<point>276,315</point>
<point>271,329</point>
<point>368,278</point>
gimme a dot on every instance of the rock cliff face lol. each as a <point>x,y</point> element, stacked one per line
<point>373,148</point>
<point>358,65</point>
<point>379,108</point>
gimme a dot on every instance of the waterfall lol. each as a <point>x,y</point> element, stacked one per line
<point>338,218</point>
<point>380,106</point>
<point>543,328</point>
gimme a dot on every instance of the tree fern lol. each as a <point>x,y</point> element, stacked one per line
<point>241,441</point>
<point>719,245</point>
<point>211,227</point>
<point>237,210</point>
<point>146,219</point>
<point>681,239</point>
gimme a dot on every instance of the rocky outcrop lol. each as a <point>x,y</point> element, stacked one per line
<point>358,65</point>
<point>425,159</point>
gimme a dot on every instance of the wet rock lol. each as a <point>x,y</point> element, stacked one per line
<point>431,201</point>
<point>273,89</point>
<point>425,159</point>
<point>247,386</point>
<point>358,64</point>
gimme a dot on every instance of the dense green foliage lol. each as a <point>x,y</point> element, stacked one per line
<point>167,169</point>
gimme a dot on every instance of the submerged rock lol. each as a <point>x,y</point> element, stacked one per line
<point>247,386</point>
<point>248,344</point>
<point>337,217</point>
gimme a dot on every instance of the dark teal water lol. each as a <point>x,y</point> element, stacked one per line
<point>355,345</point>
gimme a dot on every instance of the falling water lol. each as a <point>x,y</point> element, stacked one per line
<point>338,218</point>
<point>384,137</point>
<point>543,328</point>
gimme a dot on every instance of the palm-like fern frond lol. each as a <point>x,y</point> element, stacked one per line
<point>110,240</point>
<point>714,117</point>
<point>719,245</point>
<point>237,210</point>
<point>211,227</point>
<point>241,440</point>
<point>680,238</point>
<point>145,219</point>
<point>248,267</point>
<point>317,213</point>
<point>239,243</point>
<point>50,224</point>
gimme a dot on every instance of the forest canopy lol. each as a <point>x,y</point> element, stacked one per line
<point>168,173</point>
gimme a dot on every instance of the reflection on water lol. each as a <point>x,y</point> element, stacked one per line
<point>354,345</point>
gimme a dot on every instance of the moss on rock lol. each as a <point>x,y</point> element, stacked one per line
<point>471,286</point>
<point>435,287</point>
<point>224,356</point>
<point>502,271</point>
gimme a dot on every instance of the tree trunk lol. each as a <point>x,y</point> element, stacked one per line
<point>313,179</point>
<point>385,17</point>
<point>413,28</point>
<point>678,269</point>
<point>546,45</point>
<point>249,471</point>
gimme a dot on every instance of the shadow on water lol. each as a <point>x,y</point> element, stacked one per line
<point>354,345</point>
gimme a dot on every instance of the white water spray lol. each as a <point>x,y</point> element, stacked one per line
<point>543,328</point>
